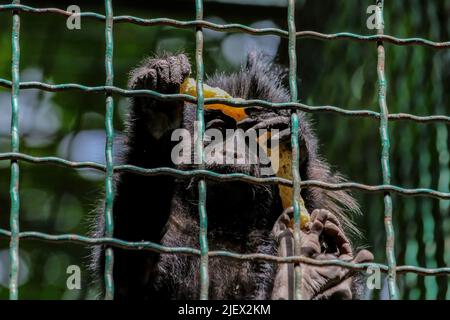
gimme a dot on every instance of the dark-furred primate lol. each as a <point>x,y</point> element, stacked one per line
<point>242,217</point>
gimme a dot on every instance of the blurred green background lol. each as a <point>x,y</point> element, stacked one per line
<point>341,73</point>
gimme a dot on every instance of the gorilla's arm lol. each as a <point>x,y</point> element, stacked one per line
<point>142,204</point>
<point>149,145</point>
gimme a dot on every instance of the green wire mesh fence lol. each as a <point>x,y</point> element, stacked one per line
<point>383,116</point>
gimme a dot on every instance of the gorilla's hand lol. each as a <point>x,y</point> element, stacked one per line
<point>323,239</point>
<point>163,75</point>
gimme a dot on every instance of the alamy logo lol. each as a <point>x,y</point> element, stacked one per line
<point>375,20</point>
<point>73,281</point>
<point>374,278</point>
<point>74,21</point>
<point>235,147</point>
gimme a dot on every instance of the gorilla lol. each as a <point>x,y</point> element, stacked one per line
<point>242,217</point>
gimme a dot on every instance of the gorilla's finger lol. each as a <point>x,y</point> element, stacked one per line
<point>185,65</point>
<point>310,244</point>
<point>162,70</point>
<point>175,72</point>
<point>314,214</point>
<point>346,248</point>
<point>318,219</point>
<point>332,217</point>
<point>320,214</point>
<point>289,211</point>
<point>282,222</point>
<point>287,216</point>
<point>338,236</point>
<point>334,274</point>
<point>341,291</point>
<point>363,256</point>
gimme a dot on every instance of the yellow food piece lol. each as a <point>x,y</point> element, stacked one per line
<point>189,87</point>
<point>282,163</point>
<point>304,217</point>
<point>285,171</point>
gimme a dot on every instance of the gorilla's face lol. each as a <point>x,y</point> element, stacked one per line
<point>229,149</point>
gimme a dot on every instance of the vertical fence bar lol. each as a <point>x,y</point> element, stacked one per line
<point>109,192</point>
<point>15,140</point>
<point>296,179</point>
<point>385,145</point>
<point>443,150</point>
<point>204,272</point>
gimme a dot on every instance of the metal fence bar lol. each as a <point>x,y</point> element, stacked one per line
<point>233,103</point>
<point>213,176</point>
<point>235,27</point>
<point>385,145</point>
<point>155,247</point>
<point>203,236</point>
<point>15,142</point>
<point>109,127</point>
<point>296,179</point>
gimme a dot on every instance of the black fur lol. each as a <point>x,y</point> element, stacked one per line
<point>164,209</point>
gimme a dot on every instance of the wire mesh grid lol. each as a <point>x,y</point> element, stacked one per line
<point>383,116</point>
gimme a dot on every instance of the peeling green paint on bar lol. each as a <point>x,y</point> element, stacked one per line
<point>385,146</point>
<point>109,187</point>
<point>203,217</point>
<point>15,142</point>
<point>296,179</point>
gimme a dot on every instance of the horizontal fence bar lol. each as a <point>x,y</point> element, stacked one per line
<point>235,27</point>
<point>213,176</point>
<point>154,247</point>
<point>233,103</point>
